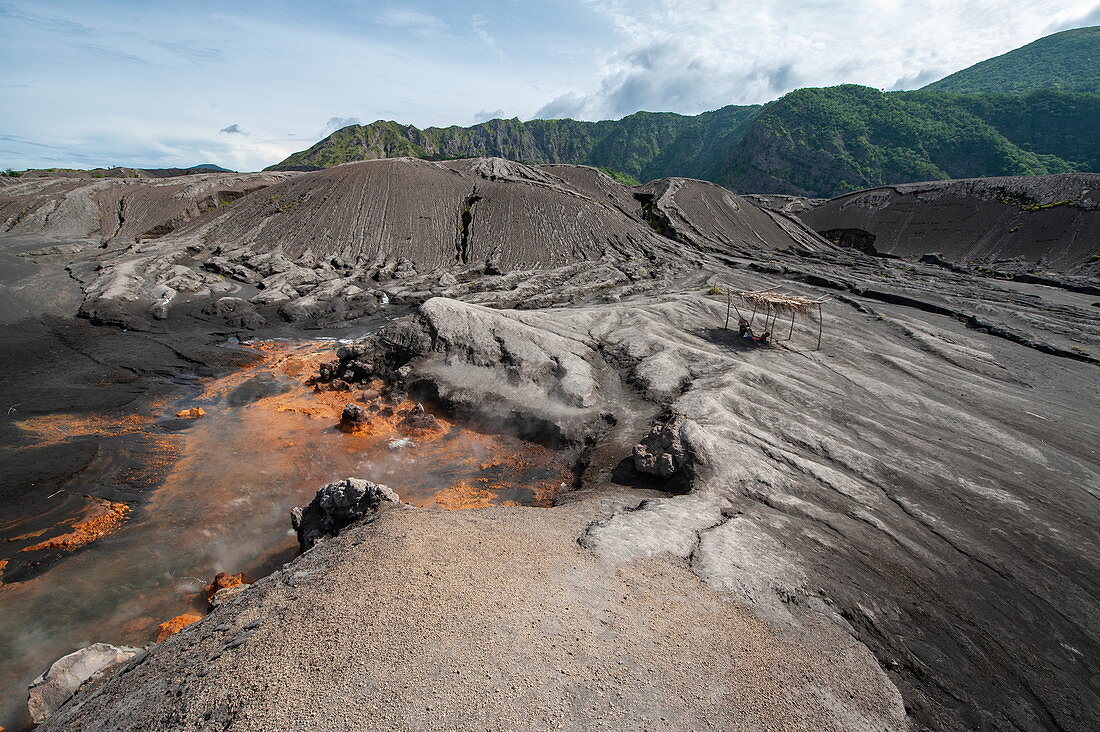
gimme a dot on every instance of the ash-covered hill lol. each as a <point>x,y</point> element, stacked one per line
<point>1050,220</point>
<point>894,530</point>
<point>85,206</point>
<point>316,246</point>
<point>1069,60</point>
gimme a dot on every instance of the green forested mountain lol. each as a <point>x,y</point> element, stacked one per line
<point>1069,61</point>
<point>822,142</point>
<point>645,145</point>
<point>816,142</point>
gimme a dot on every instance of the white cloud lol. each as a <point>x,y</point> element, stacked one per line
<point>1089,18</point>
<point>694,55</point>
<point>335,123</point>
<point>485,116</point>
<point>412,19</point>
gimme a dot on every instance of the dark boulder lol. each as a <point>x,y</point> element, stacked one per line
<point>338,505</point>
<point>664,450</point>
<point>353,416</point>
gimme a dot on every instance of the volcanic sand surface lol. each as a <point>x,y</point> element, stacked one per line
<point>493,619</point>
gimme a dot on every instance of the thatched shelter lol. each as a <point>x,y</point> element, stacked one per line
<point>771,305</point>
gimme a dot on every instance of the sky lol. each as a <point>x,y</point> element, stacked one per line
<point>86,83</point>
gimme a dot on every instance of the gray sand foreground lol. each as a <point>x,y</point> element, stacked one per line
<point>491,619</point>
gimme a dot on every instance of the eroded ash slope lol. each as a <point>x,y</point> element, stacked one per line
<point>1044,219</point>
<point>333,245</point>
<point>918,496</point>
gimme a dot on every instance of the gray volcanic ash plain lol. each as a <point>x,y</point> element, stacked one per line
<point>898,530</point>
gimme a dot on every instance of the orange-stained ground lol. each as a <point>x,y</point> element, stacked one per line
<point>225,485</point>
<point>175,625</point>
<point>102,518</point>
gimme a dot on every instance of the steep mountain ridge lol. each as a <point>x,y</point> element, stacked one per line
<point>815,142</point>
<point>645,145</point>
<point>1066,60</point>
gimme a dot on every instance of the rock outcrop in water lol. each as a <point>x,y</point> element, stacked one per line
<point>53,688</point>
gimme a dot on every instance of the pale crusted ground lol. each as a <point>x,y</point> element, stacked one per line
<point>492,620</point>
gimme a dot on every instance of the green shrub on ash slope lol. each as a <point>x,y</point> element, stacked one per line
<point>1069,61</point>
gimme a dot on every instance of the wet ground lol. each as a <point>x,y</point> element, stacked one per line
<point>219,491</point>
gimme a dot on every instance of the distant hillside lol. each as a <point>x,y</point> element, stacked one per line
<point>812,142</point>
<point>210,167</point>
<point>825,142</point>
<point>1069,61</point>
<point>815,142</point>
<point>645,145</point>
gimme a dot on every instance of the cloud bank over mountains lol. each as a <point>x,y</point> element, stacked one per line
<point>690,56</point>
<point>246,86</point>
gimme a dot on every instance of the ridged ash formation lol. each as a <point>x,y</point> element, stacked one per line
<point>924,485</point>
<point>466,211</point>
<point>1053,219</point>
<point>892,482</point>
<point>325,246</point>
<point>123,209</point>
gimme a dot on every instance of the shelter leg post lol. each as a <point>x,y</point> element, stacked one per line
<point>819,327</point>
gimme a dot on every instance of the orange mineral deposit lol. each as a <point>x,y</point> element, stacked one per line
<point>175,625</point>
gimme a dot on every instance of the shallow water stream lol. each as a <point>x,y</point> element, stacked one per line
<point>266,443</point>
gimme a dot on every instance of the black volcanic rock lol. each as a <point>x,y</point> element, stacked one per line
<point>336,506</point>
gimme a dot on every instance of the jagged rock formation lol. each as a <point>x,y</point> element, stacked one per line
<point>1052,220</point>
<point>664,451</point>
<point>336,506</point>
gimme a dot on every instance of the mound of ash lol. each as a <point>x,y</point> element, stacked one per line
<point>119,210</point>
<point>335,245</point>
<point>451,352</point>
<point>1049,221</point>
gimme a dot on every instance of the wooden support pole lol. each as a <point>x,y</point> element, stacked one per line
<point>727,325</point>
<point>791,334</point>
<point>819,326</point>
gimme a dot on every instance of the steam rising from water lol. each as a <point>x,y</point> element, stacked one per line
<point>265,445</point>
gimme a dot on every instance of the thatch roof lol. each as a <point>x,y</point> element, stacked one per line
<point>782,302</point>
